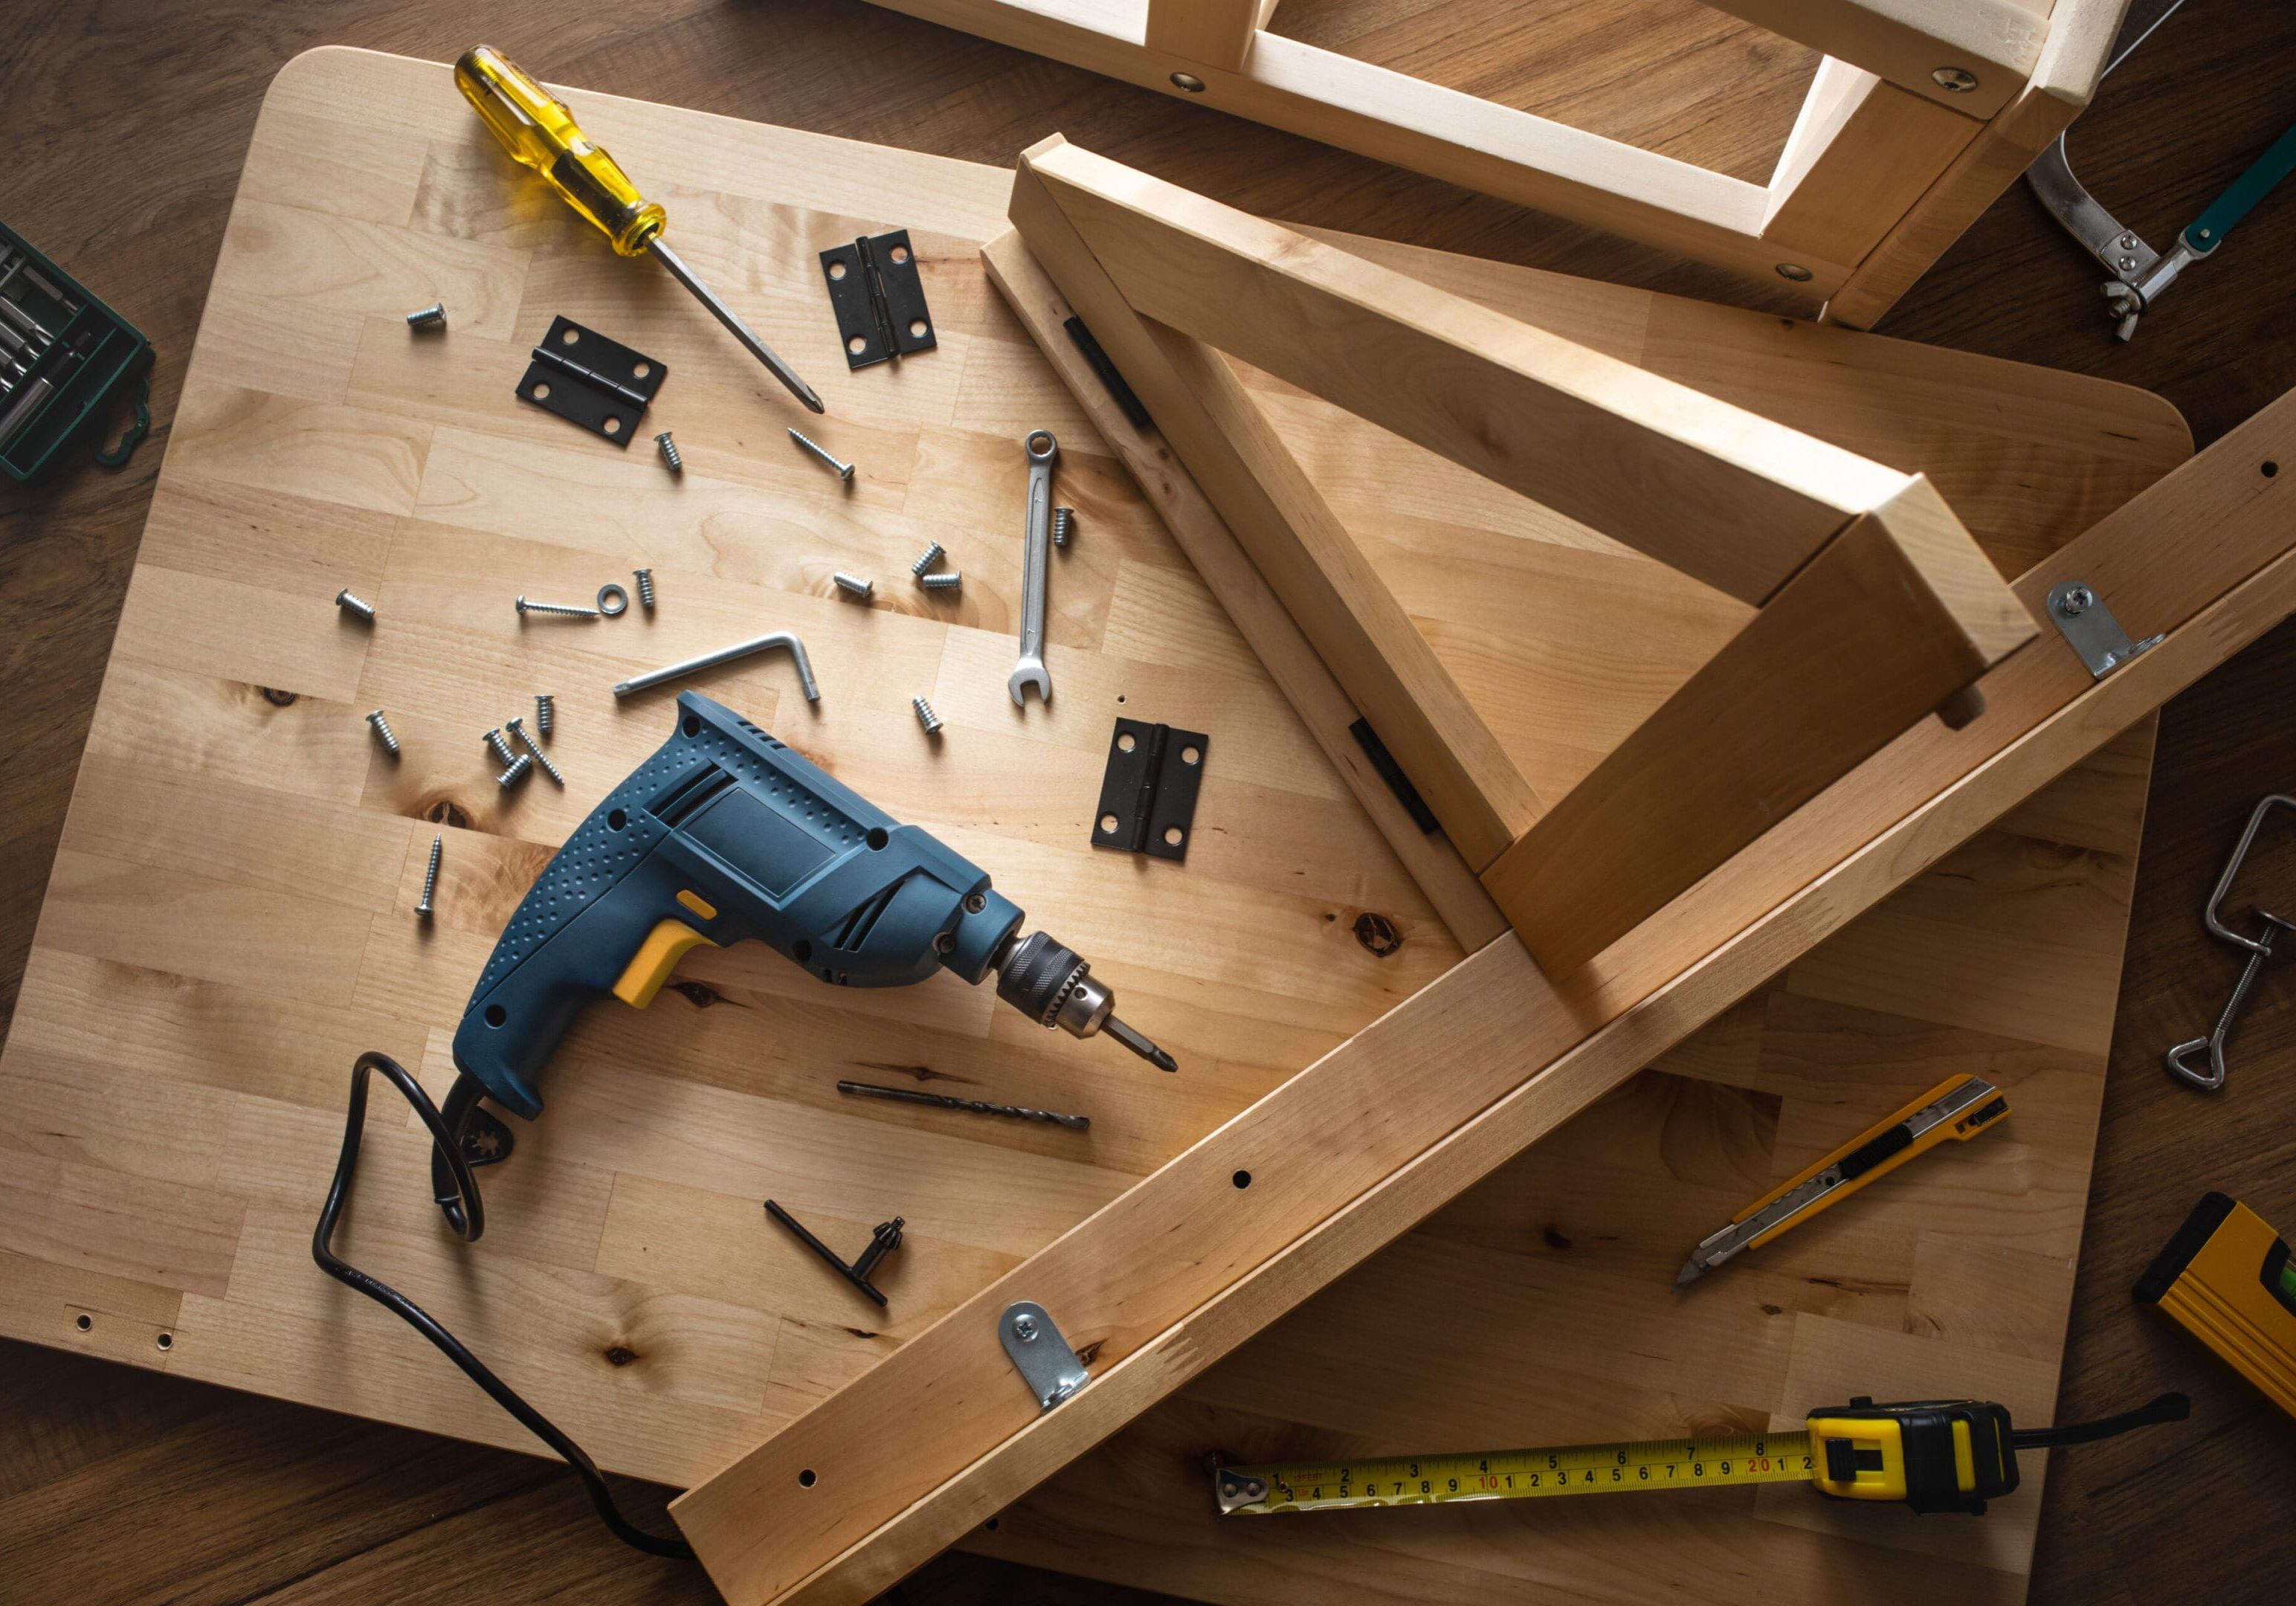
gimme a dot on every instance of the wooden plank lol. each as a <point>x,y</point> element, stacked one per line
<point>1393,117</point>
<point>1720,494</point>
<point>2071,63</point>
<point>1157,1294</point>
<point>1862,153</point>
<point>1993,42</point>
<point>1217,33</point>
<point>1354,622</point>
<point>1323,704</point>
<point>1831,669</point>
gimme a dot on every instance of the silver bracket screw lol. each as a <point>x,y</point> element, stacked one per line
<point>843,471</point>
<point>927,559</point>
<point>1954,81</point>
<point>925,716</point>
<point>951,580</point>
<point>517,727</point>
<point>644,578</point>
<point>853,583</point>
<point>431,876</point>
<point>545,713</point>
<point>1063,525</point>
<point>668,448</point>
<point>1043,1358</point>
<point>558,608</point>
<point>354,606</point>
<point>502,747</point>
<point>2091,631</point>
<point>434,316</point>
<point>515,774</point>
<point>382,733</point>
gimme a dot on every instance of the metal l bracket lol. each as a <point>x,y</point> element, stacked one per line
<point>2090,630</point>
<point>1044,1361</point>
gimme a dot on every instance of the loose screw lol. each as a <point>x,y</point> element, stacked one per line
<point>932,555</point>
<point>669,453</point>
<point>559,608</point>
<point>515,774</point>
<point>1063,525</point>
<point>644,578</point>
<point>434,316</point>
<point>925,716</point>
<point>853,583</point>
<point>430,875</point>
<point>950,581</point>
<point>350,604</point>
<point>843,471</point>
<point>518,729</point>
<point>544,713</point>
<point>502,749</point>
<point>382,733</point>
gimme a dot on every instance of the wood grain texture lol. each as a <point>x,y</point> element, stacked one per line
<point>145,234</point>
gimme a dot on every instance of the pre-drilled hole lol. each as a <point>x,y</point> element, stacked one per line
<point>84,1321</point>
<point>2270,468</point>
<point>806,1479</point>
<point>1241,1179</point>
<point>167,1340</point>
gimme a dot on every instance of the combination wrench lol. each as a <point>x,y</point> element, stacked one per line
<point>1030,671</point>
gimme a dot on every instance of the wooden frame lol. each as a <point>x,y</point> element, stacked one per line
<point>1875,606</point>
<point>1884,169</point>
<point>1351,1152</point>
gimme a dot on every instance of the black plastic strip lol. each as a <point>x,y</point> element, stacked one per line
<point>1097,359</point>
<point>1390,771</point>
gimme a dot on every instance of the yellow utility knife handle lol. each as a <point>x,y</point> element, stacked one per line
<point>1961,1129</point>
<point>542,134</point>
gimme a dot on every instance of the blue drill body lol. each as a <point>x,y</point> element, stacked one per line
<point>771,845</point>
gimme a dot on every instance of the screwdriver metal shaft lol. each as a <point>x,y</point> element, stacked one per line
<point>740,330</point>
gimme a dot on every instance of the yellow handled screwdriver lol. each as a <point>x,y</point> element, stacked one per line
<point>542,134</point>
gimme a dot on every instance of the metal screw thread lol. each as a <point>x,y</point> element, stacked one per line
<point>434,316</point>
<point>843,471</point>
<point>383,734</point>
<point>575,613</point>
<point>949,581</point>
<point>518,729</point>
<point>1063,525</point>
<point>502,749</point>
<point>430,875</point>
<point>853,583</point>
<point>544,713</point>
<point>644,578</point>
<point>669,453</point>
<point>349,603</point>
<point>925,716</point>
<point>931,555</point>
<point>515,774</point>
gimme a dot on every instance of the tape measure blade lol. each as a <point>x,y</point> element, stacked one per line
<point>1642,1465</point>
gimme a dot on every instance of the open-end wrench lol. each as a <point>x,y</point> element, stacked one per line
<point>1030,671</point>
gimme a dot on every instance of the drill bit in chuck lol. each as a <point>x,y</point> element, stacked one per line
<point>1047,981</point>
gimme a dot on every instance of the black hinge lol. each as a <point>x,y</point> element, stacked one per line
<point>588,379</point>
<point>878,297</point>
<point>1148,794</point>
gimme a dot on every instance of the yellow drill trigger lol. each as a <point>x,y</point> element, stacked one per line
<point>669,941</point>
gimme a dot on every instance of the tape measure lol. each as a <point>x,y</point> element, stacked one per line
<point>1934,1455</point>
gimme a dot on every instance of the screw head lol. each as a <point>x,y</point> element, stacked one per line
<point>1796,272</point>
<point>975,903</point>
<point>1954,81</point>
<point>2077,601</point>
<point>2127,265</point>
<point>1188,81</point>
<point>2129,242</point>
<point>1024,1328</point>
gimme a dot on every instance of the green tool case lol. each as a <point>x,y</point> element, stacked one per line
<point>65,359</point>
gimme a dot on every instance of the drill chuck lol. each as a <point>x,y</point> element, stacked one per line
<point>1047,981</point>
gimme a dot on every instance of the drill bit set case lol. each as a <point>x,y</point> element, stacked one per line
<point>65,359</point>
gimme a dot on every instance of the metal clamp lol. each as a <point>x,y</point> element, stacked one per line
<point>1042,1357</point>
<point>2260,949</point>
<point>2090,630</point>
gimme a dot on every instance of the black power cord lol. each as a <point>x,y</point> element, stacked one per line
<point>457,1193</point>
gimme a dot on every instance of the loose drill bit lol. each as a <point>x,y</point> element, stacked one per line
<point>941,1101</point>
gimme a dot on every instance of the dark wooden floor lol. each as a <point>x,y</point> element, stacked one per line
<point>125,122</point>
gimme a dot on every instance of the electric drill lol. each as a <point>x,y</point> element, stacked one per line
<point>723,834</point>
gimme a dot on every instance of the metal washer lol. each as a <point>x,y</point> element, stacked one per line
<point>612,601</point>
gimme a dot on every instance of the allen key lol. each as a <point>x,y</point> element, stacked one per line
<point>2260,949</point>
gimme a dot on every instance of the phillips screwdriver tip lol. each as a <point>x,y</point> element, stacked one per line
<point>1139,1044</point>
